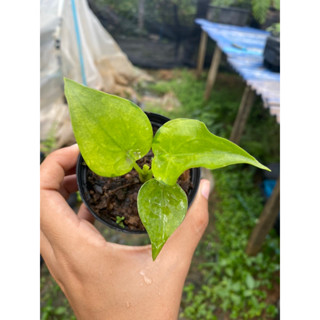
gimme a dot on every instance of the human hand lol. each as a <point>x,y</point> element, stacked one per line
<point>105,280</point>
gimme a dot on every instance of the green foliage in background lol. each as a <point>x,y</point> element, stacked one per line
<point>54,306</point>
<point>126,8</point>
<point>154,12</point>
<point>274,29</point>
<point>50,143</point>
<point>262,134</point>
<point>217,113</point>
<point>174,12</point>
<point>259,8</point>
<point>231,280</point>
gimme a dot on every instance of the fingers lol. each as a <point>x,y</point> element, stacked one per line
<point>56,166</point>
<point>69,185</point>
<point>85,214</point>
<point>57,219</point>
<point>185,239</point>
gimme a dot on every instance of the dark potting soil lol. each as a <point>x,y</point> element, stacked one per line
<point>117,197</point>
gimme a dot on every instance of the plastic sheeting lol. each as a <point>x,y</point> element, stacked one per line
<point>244,47</point>
<point>106,67</point>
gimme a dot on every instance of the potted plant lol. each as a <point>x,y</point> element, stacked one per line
<point>271,52</point>
<point>115,138</point>
<point>238,12</point>
<point>228,12</point>
<point>228,15</point>
<point>104,196</point>
<point>265,12</point>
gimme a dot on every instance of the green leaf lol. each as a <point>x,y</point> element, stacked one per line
<point>229,272</point>
<point>250,281</point>
<point>161,208</point>
<point>181,144</point>
<point>260,9</point>
<point>112,132</point>
<point>276,4</point>
<point>60,310</point>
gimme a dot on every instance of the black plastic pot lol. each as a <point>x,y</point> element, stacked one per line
<point>82,169</point>
<point>271,54</point>
<point>228,15</point>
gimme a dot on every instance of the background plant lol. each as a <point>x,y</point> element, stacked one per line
<point>219,112</point>
<point>50,143</point>
<point>259,8</point>
<point>54,305</point>
<point>232,281</point>
<point>156,14</point>
<point>274,29</point>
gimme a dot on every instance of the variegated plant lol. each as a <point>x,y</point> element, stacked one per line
<point>113,133</point>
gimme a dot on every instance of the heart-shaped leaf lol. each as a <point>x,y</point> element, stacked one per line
<point>181,144</point>
<point>161,208</point>
<point>112,132</point>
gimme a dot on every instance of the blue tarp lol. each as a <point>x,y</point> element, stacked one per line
<point>244,48</point>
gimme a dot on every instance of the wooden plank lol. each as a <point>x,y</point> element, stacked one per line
<point>213,72</point>
<point>247,101</point>
<point>265,223</point>
<point>201,53</point>
<point>141,14</point>
<point>275,111</point>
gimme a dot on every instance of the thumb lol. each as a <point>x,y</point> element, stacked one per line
<point>185,239</point>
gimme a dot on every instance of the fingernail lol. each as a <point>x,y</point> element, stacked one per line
<point>205,188</point>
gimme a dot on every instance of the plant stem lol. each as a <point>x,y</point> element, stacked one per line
<point>138,169</point>
<point>144,175</point>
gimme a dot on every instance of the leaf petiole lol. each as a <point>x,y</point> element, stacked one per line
<point>145,174</point>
